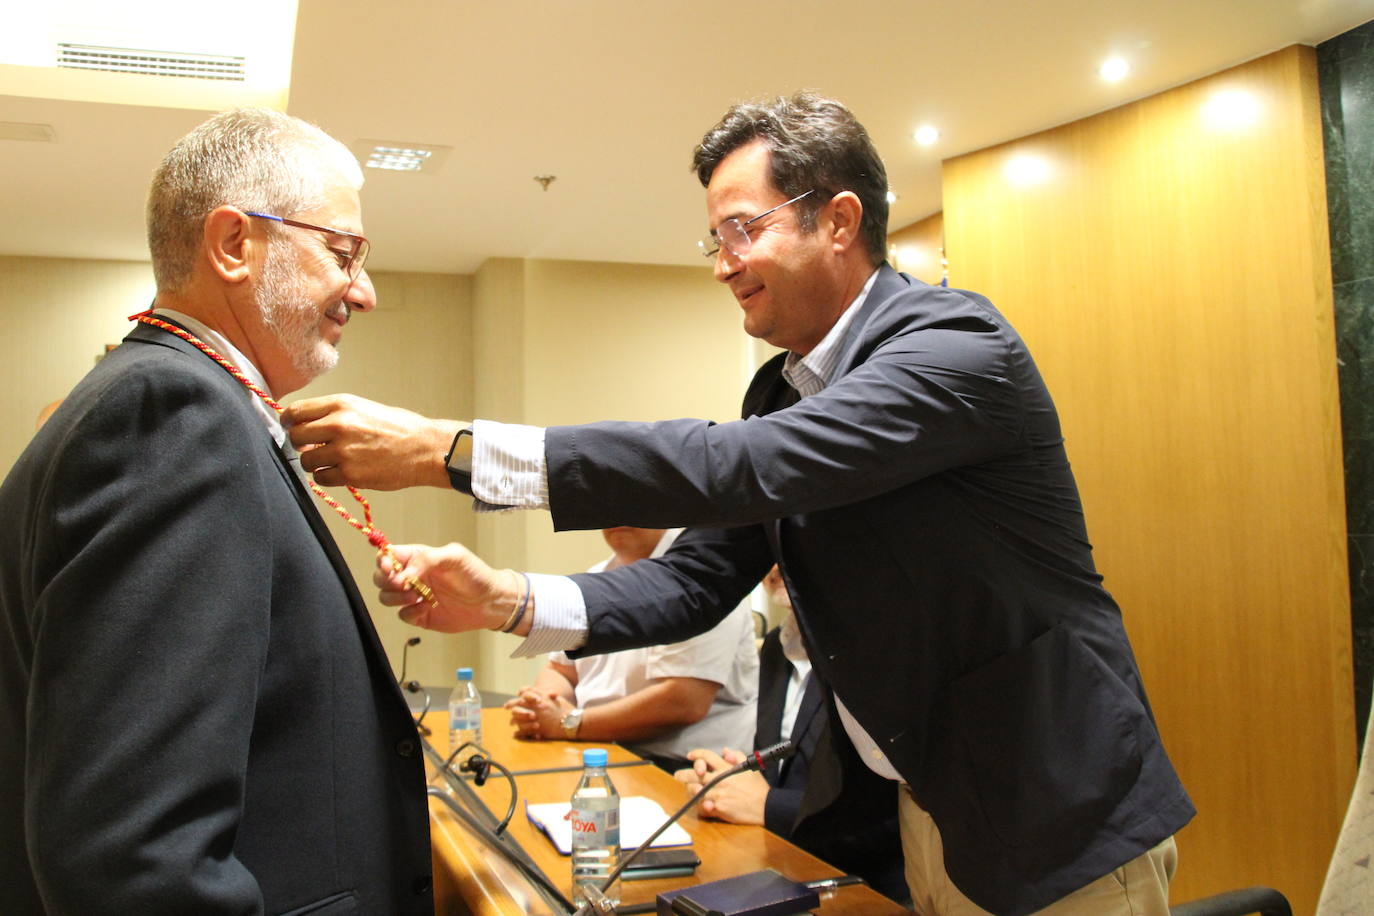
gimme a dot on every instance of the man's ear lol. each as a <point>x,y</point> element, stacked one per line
<point>227,244</point>
<point>845,215</point>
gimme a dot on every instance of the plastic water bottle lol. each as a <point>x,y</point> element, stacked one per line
<point>595,821</point>
<point>464,715</point>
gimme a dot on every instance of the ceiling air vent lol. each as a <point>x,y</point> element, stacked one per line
<point>153,63</point>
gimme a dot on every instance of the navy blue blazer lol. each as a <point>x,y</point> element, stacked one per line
<point>930,532</point>
<point>198,716</point>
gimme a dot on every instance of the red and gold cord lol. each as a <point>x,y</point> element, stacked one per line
<point>374,534</point>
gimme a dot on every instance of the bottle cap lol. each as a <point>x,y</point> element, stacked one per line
<point>594,757</point>
<point>464,674</point>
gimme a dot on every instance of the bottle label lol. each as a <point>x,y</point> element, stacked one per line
<point>465,717</point>
<point>596,828</point>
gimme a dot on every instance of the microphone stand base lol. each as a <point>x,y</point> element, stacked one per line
<point>595,904</point>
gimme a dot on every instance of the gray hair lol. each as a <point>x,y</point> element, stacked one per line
<point>250,158</point>
<point>814,142</point>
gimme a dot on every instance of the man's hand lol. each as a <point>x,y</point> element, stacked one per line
<point>537,715</point>
<point>350,440</point>
<point>739,799</point>
<point>469,594</point>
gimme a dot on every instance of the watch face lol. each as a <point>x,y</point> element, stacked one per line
<point>460,455</point>
<point>459,461</point>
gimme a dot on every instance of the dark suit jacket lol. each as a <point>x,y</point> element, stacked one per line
<point>197,715</point>
<point>823,798</point>
<point>930,532</point>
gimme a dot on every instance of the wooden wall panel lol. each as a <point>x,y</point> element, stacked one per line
<point>919,249</point>
<point>1172,278</point>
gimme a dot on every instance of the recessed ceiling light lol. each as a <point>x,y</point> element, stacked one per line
<point>398,156</point>
<point>1114,69</point>
<point>926,135</point>
<point>891,196</point>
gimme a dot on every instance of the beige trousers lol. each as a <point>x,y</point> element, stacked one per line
<point>1138,888</point>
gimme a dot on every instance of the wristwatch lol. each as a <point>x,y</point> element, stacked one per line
<point>458,461</point>
<point>572,721</point>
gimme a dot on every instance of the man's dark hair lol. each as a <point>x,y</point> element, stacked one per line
<point>815,142</point>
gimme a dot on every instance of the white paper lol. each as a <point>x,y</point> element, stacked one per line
<point>639,817</point>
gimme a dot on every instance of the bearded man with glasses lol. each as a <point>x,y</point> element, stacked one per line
<point>903,464</point>
<point>198,716</point>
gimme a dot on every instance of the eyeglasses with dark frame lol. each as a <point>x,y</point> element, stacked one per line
<point>733,235</point>
<point>350,259</point>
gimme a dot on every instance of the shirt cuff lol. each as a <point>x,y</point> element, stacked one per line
<point>508,468</point>
<point>560,617</point>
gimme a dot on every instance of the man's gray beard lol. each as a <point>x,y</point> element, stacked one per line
<point>286,309</point>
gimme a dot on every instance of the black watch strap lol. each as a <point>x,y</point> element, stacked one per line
<point>458,461</point>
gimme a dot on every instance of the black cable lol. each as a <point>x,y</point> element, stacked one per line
<point>448,761</point>
<point>480,767</point>
<point>504,843</point>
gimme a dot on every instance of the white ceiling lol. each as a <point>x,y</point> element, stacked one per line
<point>612,95</point>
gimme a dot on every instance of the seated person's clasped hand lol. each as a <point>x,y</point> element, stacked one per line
<point>739,799</point>
<point>537,715</point>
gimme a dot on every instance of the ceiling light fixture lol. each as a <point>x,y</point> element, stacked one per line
<point>926,135</point>
<point>891,196</point>
<point>401,155</point>
<point>1114,69</point>
<point>398,158</point>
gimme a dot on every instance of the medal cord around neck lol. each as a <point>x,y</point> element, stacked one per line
<point>374,534</point>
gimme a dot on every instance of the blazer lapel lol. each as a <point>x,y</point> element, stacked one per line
<point>307,502</point>
<point>887,284</point>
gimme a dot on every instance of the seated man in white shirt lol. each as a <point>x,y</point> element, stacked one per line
<point>660,701</point>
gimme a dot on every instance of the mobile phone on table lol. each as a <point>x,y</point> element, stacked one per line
<point>662,863</point>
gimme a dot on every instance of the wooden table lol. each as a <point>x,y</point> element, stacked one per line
<point>472,878</point>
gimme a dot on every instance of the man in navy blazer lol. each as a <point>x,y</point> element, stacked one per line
<point>903,463</point>
<point>197,714</point>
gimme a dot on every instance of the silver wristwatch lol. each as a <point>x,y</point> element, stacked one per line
<point>571,722</point>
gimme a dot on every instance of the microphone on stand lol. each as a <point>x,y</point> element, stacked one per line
<point>597,903</point>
